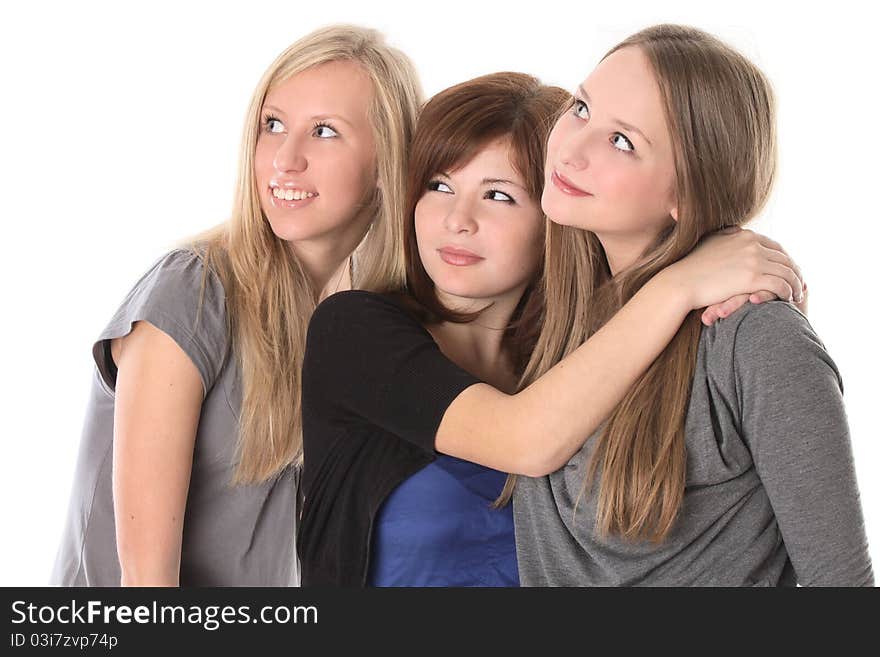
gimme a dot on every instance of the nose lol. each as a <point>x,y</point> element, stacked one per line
<point>460,218</point>
<point>573,149</point>
<point>290,156</point>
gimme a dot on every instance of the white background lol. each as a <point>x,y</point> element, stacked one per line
<point>119,130</point>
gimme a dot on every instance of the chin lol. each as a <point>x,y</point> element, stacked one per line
<point>572,219</point>
<point>295,231</point>
<point>559,210</point>
<point>464,290</point>
<point>561,213</point>
<point>460,289</point>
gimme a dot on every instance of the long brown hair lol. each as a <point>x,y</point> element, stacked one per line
<point>720,113</point>
<point>452,128</point>
<point>269,298</point>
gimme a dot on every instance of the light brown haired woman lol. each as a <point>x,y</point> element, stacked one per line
<point>189,462</point>
<point>728,461</point>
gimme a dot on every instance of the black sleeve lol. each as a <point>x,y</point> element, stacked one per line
<point>369,359</point>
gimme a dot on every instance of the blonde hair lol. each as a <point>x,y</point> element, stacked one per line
<point>269,297</point>
<point>720,113</point>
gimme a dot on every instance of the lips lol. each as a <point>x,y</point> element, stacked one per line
<point>567,187</point>
<point>290,195</point>
<point>458,257</point>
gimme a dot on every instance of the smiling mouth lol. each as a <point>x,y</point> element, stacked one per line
<point>291,194</point>
<point>567,187</point>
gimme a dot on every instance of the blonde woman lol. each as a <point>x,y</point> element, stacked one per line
<point>188,467</point>
<point>728,462</point>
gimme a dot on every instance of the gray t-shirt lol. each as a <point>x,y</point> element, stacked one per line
<point>232,536</point>
<point>770,498</point>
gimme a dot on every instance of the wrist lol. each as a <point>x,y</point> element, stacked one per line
<point>673,287</point>
<point>146,572</point>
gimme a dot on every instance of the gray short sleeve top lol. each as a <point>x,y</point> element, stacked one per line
<point>232,535</point>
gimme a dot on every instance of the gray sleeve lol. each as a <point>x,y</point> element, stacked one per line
<point>791,404</point>
<point>185,302</point>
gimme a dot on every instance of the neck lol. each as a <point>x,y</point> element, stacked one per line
<point>340,280</point>
<point>623,251</point>
<point>326,266</point>
<point>478,346</point>
<point>325,259</point>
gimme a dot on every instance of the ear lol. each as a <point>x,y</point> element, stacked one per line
<point>672,199</point>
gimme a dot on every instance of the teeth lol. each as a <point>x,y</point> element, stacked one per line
<point>291,194</point>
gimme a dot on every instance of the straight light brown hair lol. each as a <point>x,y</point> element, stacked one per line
<point>720,114</point>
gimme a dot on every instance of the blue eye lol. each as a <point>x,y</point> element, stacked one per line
<point>273,124</point>
<point>324,131</point>
<point>495,195</point>
<point>580,109</point>
<point>621,143</point>
<point>437,186</point>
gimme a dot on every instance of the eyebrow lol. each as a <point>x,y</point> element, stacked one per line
<point>622,124</point>
<point>489,181</point>
<point>316,117</point>
<point>502,181</point>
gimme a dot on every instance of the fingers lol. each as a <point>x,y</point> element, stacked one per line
<point>776,284</point>
<point>710,315</point>
<point>721,310</point>
<point>802,304</point>
<point>732,304</point>
<point>765,241</point>
<point>790,277</point>
<point>782,258</point>
<point>725,309</point>
<point>776,253</point>
<point>761,297</point>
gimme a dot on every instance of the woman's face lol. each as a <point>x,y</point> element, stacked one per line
<point>610,166</point>
<point>315,156</point>
<point>480,235</point>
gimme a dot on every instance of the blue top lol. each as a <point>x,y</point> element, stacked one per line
<point>438,528</point>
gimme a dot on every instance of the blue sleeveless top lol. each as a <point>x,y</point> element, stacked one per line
<point>437,528</point>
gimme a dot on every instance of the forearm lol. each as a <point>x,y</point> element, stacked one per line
<point>149,509</point>
<point>537,430</point>
<point>149,515</point>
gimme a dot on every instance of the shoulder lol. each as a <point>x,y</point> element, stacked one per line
<point>773,335</point>
<point>370,329</point>
<point>752,326</point>
<point>183,298</point>
<point>182,272</point>
<point>362,308</point>
<point>776,318</point>
<point>181,287</point>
